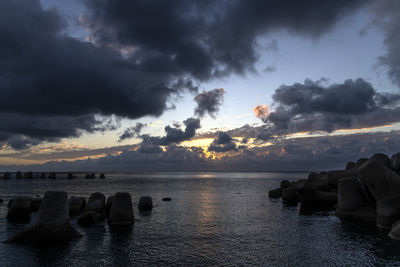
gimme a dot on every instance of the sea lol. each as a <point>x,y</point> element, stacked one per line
<point>213,219</point>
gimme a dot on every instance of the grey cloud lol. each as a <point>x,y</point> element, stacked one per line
<point>314,107</point>
<point>222,143</point>
<point>132,132</point>
<point>209,102</point>
<point>173,135</point>
<point>388,17</point>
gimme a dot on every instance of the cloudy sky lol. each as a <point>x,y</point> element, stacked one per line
<point>197,85</point>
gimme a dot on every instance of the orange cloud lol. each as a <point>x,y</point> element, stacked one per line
<point>261,111</point>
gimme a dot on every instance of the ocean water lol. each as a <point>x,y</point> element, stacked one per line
<point>214,219</point>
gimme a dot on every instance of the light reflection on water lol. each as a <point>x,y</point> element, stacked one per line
<point>213,219</point>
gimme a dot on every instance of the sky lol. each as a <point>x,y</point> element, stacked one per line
<point>263,85</point>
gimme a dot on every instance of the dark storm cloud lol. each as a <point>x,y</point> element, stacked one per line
<point>132,132</point>
<point>141,53</point>
<point>207,38</point>
<point>222,143</point>
<point>388,17</point>
<point>209,102</point>
<point>314,107</point>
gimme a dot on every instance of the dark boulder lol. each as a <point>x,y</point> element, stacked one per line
<point>350,165</point>
<point>382,158</point>
<point>76,205</point>
<point>102,176</point>
<point>97,203</point>
<point>145,203</point>
<point>18,175</point>
<point>95,209</point>
<point>121,212</point>
<point>388,211</point>
<point>360,162</point>
<point>166,199</point>
<point>35,204</point>
<point>52,224</point>
<point>395,162</point>
<point>274,193</point>
<point>380,180</point>
<point>310,196</point>
<point>290,196</point>
<point>284,184</point>
<point>19,210</point>
<point>334,176</point>
<point>353,202</point>
<point>89,217</point>
<point>7,176</point>
<point>395,231</point>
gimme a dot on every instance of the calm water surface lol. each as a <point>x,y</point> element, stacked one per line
<point>214,219</point>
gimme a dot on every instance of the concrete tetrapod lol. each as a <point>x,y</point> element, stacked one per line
<point>121,212</point>
<point>52,224</point>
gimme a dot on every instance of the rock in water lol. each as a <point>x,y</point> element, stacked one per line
<point>382,158</point>
<point>290,196</point>
<point>95,209</point>
<point>334,176</point>
<point>275,193</point>
<point>52,224</point>
<point>394,162</point>
<point>310,196</point>
<point>19,210</point>
<point>145,203</point>
<point>350,165</point>
<point>97,203</point>
<point>388,211</point>
<point>76,205</point>
<point>166,199</point>
<point>380,180</point>
<point>35,204</point>
<point>353,202</point>
<point>121,212</point>
<point>284,184</point>
<point>395,232</point>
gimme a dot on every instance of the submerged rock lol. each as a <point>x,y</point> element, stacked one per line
<point>121,212</point>
<point>145,203</point>
<point>52,224</point>
<point>19,210</point>
<point>166,199</point>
